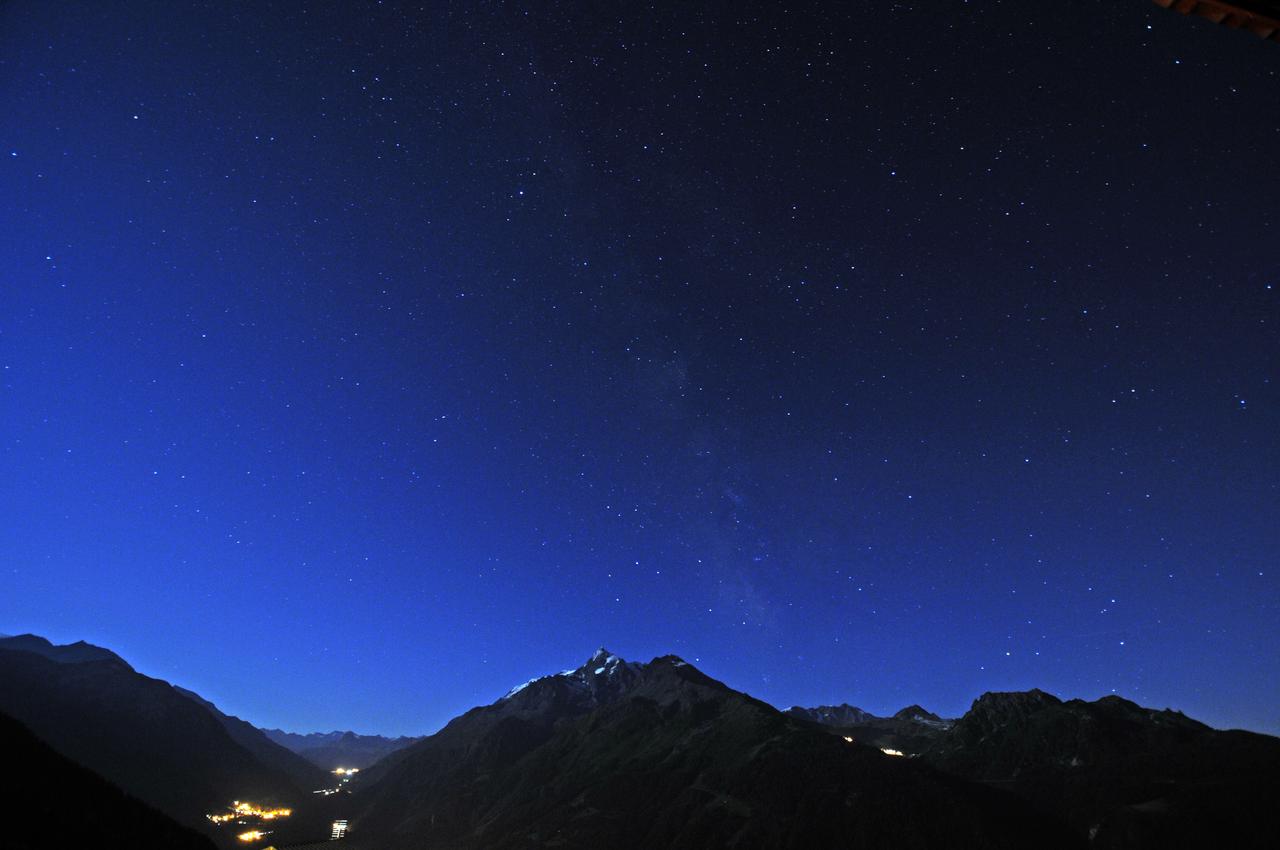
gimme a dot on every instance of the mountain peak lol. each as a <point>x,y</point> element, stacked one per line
<point>997,709</point>
<point>601,661</point>
<point>605,678</point>
<point>602,677</point>
<point>28,641</point>
<point>918,714</point>
<point>1034,698</point>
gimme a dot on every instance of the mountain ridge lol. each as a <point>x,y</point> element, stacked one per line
<point>140,733</point>
<point>630,754</point>
<point>1122,775</point>
<point>261,746</point>
<point>627,755</point>
<point>332,750</point>
<point>69,653</point>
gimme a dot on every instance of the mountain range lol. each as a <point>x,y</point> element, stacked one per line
<point>615,754</point>
<point>619,754</point>
<point>909,730</point>
<point>1119,774</point>
<point>332,750</point>
<point>1124,775</point>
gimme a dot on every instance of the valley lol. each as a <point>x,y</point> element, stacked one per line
<point>624,754</point>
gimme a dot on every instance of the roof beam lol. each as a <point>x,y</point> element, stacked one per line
<point>1261,17</point>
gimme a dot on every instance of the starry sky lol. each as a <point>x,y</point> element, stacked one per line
<point>361,360</point>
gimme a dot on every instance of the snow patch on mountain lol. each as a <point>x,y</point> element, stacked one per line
<point>602,671</point>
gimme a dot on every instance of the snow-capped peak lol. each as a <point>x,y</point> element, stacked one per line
<point>601,663</point>
<point>603,670</point>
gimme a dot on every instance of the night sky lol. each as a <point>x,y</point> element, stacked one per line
<point>362,360</point>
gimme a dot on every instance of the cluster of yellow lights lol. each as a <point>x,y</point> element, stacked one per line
<point>346,771</point>
<point>259,812</point>
<point>248,810</point>
<point>251,835</point>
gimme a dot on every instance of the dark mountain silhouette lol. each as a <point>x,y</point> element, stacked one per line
<point>621,755</point>
<point>140,733</point>
<point>70,653</point>
<point>330,750</point>
<point>1128,776</point>
<point>270,753</point>
<point>49,803</point>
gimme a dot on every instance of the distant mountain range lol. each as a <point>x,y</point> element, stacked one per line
<point>848,715</point>
<point>618,755</point>
<point>910,730</point>
<point>331,750</point>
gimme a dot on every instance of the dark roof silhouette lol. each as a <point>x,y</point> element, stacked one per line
<point>1261,17</point>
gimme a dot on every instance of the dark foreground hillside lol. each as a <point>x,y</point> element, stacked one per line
<point>141,733</point>
<point>49,803</point>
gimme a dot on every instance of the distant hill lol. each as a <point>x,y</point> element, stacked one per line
<point>330,750</point>
<point>49,803</point>
<point>621,755</point>
<point>142,734</point>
